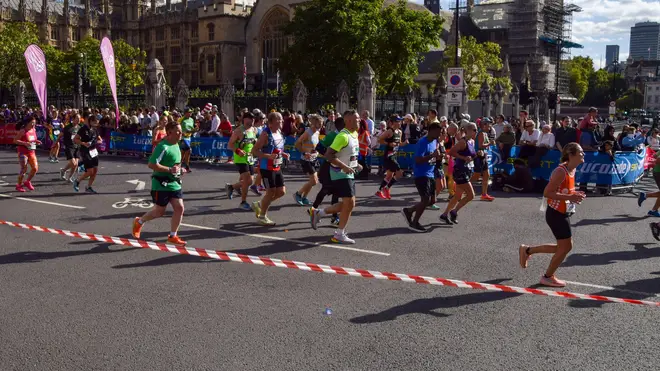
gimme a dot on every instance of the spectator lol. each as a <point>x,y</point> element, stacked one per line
<point>288,126</point>
<point>330,122</point>
<point>521,180</point>
<point>528,140</point>
<point>653,141</point>
<point>499,126</point>
<point>632,140</point>
<point>215,122</point>
<point>588,139</point>
<point>370,123</point>
<point>410,129</point>
<point>565,134</point>
<point>609,136</point>
<point>505,141</point>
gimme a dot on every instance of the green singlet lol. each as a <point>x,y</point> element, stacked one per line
<point>249,139</point>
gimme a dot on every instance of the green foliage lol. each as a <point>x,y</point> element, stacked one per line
<point>60,69</point>
<point>15,37</point>
<point>332,40</point>
<point>579,71</point>
<point>631,99</point>
<point>130,64</point>
<point>87,52</point>
<point>478,60</point>
<point>590,87</point>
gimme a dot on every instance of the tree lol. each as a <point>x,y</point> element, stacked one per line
<point>130,64</point>
<point>631,99</point>
<point>405,36</point>
<point>60,71</point>
<point>579,71</point>
<point>87,52</point>
<point>478,60</point>
<point>332,40</point>
<point>603,88</point>
<point>15,37</point>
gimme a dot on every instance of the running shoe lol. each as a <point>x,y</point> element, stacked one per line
<point>256,208</point>
<point>386,192</point>
<point>641,198</point>
<point>50,159</point>
<point>655,229</point>
<point>416,227</point>
<point>334,221</point>
<point>28,185</point>
<point>255,190</point>
<point>342,238</point>
<point>298,198</point>
<point>230,191</point>
<point>310,211</point>
<point>453,216</point>
<point>655,213</point>
<point>175,240</point>
<point>90,190</point>
<point>381,194</point>
<point>137,228</point>
<point>19,188</point>
<point>449,197</point>
<point>266,221</point>
<point>487,197</point>
<point>552,281</point>
<point>434,207</point>
<point>55,160</point>
<point>446,219</point>
<point>314,218</point>
<point>76,185</point>
<point>407,215</point>
<point>62,174</point>
<point>524,256</point>
<point>245,206</point>
<point>306,201</point>
<point>261,188</point>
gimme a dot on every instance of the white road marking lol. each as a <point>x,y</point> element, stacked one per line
<point>42,202</point>
<point>135,202</point>
<point>139,185</point>
<point>287,239</point>
<point>612,289</point>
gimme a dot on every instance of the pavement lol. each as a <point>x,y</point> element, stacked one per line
<point>71,304</point>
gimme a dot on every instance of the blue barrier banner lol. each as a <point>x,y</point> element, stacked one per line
<point>599,168</point>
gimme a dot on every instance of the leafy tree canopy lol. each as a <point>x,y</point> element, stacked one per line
<point>14,38</point>
<point>332,40</point>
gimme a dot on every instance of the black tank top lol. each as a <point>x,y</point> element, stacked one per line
<point>395,138</point>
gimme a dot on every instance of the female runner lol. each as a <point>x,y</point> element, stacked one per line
<point>27,142</point>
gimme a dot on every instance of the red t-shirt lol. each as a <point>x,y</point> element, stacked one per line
<point>225,128</point>
<point>28,136</point>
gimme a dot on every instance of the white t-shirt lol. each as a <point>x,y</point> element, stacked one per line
<point>215,123</point>
<point>154,119</point>
<point>653,142</point>
<point>370,126</point>
<point>534,136</point>
<point>547,139</point>
<point>499,128</point>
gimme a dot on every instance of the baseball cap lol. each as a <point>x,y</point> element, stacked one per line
<point>187,110</point>
<point>395,118</point>
<point>443,118</point>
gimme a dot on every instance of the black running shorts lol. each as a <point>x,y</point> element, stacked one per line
<point>560,224</point>
<point>272,179</point>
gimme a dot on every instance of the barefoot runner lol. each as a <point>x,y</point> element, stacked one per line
<point>562,198</point>
<point>165,161</point>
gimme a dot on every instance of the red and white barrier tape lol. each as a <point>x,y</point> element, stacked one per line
<point>239,258</point>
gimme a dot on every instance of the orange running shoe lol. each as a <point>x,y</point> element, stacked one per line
<point>381,194</point>
<point>137,228</point>
<point>487,197</point>
<point>386,192</point>
<point>175,240</point>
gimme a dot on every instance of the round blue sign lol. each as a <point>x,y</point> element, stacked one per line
<point>455,80</point>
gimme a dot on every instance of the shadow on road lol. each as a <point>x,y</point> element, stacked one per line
<point>38,256</point>
<point>430,305</point>
<point>639,252</point>
<point>640,290</point>
<point>615,219</point>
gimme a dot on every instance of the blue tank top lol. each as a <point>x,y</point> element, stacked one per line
<point>469,150</point>
<point>274,145</point>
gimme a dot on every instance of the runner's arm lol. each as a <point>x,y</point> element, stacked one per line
<point>232,141</point>
<point>550,190</point>
<point>453,152</point>
<point>299,142</point>
<point>18,141</point>
<point>256,150</point>
<point>386,135</point>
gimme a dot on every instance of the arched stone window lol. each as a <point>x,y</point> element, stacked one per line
<point>211,29</point>
<point>272,39</point>
<point>210,64</point>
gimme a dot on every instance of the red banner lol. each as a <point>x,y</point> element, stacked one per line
<point>7,133</point>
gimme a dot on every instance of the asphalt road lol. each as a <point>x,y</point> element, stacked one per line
<point>70,304</point>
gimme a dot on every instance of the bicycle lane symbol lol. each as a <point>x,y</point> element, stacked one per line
<point>133,202</point>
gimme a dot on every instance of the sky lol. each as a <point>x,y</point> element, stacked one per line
<point>603,22</point>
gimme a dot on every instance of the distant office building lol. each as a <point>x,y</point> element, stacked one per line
<point>611,54</point>
<point>433,6</point>
<point>645,41</point>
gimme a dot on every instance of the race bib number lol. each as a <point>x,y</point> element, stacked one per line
<point>31,139</point>
<point>278,161</point>
<point>93,153</point>
<point>56,132</point>
<point>32,146</point>
<point>470,165</point>
<point>250,159</point>
<point>570,208</point>
<point>432,161</point>
<point>353,162</point>
<point>394,151</point>
<point>73,137</point>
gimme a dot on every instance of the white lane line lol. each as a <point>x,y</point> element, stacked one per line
<point>286,239</point>
<point>612,289</point>
<point>43,202</point>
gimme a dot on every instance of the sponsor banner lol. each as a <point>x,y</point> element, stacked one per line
<point>36,64</point>
<point>7,133</point>
<point>109,63</point>
<point>129,142</point>
<point>599,168</point>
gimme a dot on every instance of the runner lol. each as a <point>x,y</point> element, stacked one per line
<point>259,118</point>
<point>55,133</point>
<point>87,138</point>
<point>165,161</point>
<point>343,158</point>
<point>270,151</point>
<point>427,156</point>
<point>70,148</point>
<point>188,127</point>
<point>439,172</point>
<point>159,132</point>
<point>391,138</point>
<point>562,198</point>
<point>26,144</point>
<point>306,145</point>
<point>463,153</point>
<point>481,161</point>
<point>324,172</point>
<point>241,142</point>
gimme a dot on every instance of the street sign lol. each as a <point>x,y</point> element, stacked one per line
<point>612,104</point>
<point>454,99</point>
<point>612,108</point>
<point>455,79</point>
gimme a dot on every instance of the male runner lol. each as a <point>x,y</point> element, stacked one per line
<point>241,142</point>
<point>306,145</point>
<point>55,132</point>
<point>70,147</point>
<point>427,155</point>
<point>270,151</point>
<point>165,161</point>
<point>87,138</point>
<point>188,128</point>
<point>343,158</point>
<point>391,138</point>
<point>324,172</point>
